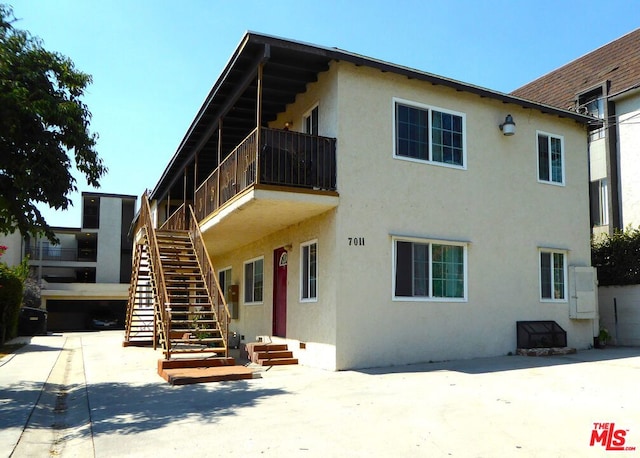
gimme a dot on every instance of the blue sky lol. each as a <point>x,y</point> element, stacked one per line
<point>153,62</point>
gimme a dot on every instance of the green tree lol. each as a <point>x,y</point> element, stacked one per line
<point>43,125</point>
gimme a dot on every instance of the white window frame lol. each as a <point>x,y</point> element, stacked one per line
<point>307,280</point>
<point>309,114</point>
<point>564,158</point>
<point>430,108</point>
<point>227,280</point>
<point>600,198</point>
<point>565,256</point>
<point>430,297</point>
<point>244,281</point>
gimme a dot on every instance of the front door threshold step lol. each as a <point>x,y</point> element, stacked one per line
<point>550,351</point>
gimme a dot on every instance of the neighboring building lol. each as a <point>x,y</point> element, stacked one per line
<point>89,270</point>
<point>380,215</point>
<point>604,83</point>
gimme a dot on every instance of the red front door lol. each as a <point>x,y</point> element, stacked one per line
<point>280,292</point>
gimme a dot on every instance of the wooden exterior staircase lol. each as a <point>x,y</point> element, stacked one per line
<point>175,300</point>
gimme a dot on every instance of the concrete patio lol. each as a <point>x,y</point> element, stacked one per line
<point>83,394</point>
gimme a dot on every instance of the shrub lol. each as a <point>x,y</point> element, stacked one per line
<point>11,290</point>
<point>617,257</point>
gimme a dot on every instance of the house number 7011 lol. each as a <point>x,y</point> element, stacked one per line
<point>356,241</point>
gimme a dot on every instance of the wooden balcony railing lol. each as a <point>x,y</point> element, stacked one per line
<point>177,221</point>
<point>284,158</point>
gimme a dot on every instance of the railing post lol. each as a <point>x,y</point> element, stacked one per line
<point>217,204</point>
<point>258,121</point>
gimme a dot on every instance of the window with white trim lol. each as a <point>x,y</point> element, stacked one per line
<point>253,280</point>
<point>429,134</point>
<point>600,202</point>
<point>224,279</point>
<point>429,269</point>
<point>553,275</point>
<point>310,121</point>
<point>550,158</point>
<point>309,271</point>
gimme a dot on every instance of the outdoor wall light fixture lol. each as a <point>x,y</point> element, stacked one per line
<point>508,127</point>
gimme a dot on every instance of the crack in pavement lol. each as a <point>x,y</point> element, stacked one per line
<point>60,424</point>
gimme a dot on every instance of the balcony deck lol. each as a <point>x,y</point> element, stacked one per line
<point>256,191</point>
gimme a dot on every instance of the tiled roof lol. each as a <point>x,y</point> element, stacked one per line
<point>617,62</point>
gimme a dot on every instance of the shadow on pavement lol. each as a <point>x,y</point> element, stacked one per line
<point>126,409</point>
<point>29,348</point>
<point>511,363</point>
<point>16,402</point>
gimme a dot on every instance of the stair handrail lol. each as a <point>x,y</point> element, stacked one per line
<point>145,221</point>
<point>220,308</point>
<point>131,297</point>
<point>175,222</point>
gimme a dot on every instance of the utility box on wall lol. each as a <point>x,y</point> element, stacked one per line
<point>583,300</point>
<point>233,294</point>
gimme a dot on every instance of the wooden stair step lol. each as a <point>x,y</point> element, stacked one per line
<point>196,340</point>
<point>278,362</point>
<point>191,321</point>
<point>263,355</point>
<point>269,347</point>
<point>184,363</point>
<point>189,376</point>
<point>201,350</point>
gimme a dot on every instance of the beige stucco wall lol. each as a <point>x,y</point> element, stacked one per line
<point>310,322</point>
<point>628,112</point>
<point>496,204</point>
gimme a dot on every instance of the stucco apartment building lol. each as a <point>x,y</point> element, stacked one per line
<point>88,271</point>
<point>370,214</point>
<point>604,83</point>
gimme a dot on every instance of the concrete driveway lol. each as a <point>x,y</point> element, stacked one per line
<point>83,394</point>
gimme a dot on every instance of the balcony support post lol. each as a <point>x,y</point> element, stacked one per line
<point>184,187</point>
<point>217,205</point>
<point>265,57</point>
<point>195,177</point>
<point>258,120</point>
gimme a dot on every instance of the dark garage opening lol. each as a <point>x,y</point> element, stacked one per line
<point>76,315</point>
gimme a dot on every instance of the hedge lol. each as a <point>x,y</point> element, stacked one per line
<point>617,257</point>
<point>11,290</point>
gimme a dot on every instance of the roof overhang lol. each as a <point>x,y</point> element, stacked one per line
<point>288,66</point>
